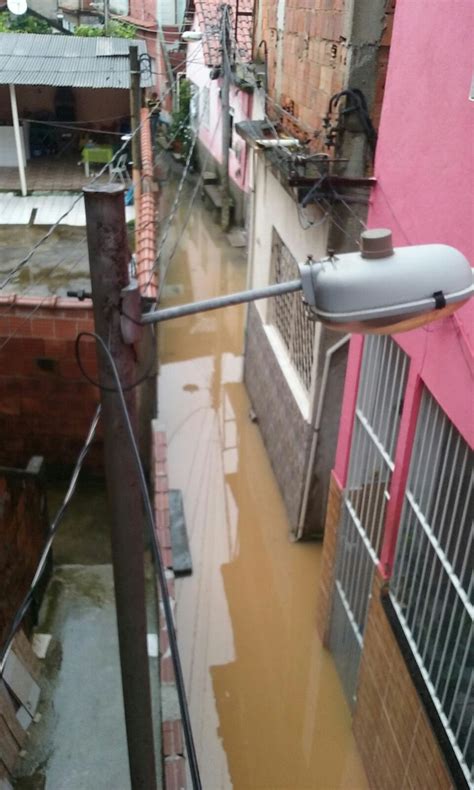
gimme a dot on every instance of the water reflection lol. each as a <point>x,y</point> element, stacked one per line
<point>266,705</point>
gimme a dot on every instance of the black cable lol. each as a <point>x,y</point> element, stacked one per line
<point>188,734</point>
<point>51,534</point>
<point>101,387</point>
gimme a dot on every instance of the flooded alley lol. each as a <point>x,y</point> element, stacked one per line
<point>266,704</point>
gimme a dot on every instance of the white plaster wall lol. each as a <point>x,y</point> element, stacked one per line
<point>274,208</point>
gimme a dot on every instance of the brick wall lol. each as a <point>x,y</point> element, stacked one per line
<point>333,512</point>
<point>317,60</point>
<point>23,529</point>
<point>171,727</point>
<point>314,57</point>
<point>46,405</point>
<point>393,733</point>
<point>279,417</point>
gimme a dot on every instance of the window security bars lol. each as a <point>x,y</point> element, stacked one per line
<point>287,313</point>
<point>431,588</point>
<point>377,419</point>
<point>376,423</point>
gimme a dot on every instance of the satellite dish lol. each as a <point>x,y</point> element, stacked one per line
<point>17,7</point>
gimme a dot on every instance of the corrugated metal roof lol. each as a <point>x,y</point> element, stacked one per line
<point>68,61</point>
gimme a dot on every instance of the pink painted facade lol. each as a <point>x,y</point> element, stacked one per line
<point>424,171</point>
<point>210,125</point>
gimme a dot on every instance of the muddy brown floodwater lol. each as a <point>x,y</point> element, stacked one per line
<point>266,704</point>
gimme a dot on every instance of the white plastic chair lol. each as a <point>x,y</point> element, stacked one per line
<point>119,170</point>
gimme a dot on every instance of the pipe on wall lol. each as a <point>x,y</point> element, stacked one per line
<point>317,414</point>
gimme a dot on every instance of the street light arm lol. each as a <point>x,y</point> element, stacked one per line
<point>376,290</point>
<point>155,316</point>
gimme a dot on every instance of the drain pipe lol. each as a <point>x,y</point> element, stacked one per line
<point>317,414</point>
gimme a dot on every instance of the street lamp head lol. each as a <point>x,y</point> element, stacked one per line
<point>382,290</point>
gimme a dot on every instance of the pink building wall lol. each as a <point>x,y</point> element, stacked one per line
<point>211,135</point>
<point>424,170</point>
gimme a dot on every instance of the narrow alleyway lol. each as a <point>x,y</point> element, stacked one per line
<point>266,705</point>
<point>78,739</point>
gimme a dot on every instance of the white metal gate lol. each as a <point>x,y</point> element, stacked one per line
<point>376,422</point>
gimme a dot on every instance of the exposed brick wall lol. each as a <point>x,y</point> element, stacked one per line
<point>316,44</point>
<point>393,733</point>
<point>279,417</point>
<point>23,529</point>
<point>171,729</point>
<point>323,609</point>
<point>46,405</point>
<point>314,57</point>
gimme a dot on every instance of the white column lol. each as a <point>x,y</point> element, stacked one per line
<point>18,140</point>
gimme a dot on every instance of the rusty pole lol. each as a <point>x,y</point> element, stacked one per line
<point>108,260</point>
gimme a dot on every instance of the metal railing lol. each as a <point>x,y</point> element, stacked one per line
<point>376,423</point>
<point>287,313</point>
<point>431,587</point>
<point>377,419</point>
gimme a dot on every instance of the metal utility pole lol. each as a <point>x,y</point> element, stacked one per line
<point>225,91</point>
<point>108,260</point>
<point>135,106</point>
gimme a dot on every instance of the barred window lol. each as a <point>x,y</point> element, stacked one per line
<point>287,313</point>
<point>431,588</point>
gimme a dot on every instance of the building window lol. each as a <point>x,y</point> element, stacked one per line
<point>287,314</point>
<point>431,587</point>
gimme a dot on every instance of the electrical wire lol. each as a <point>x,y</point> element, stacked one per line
<point>21,611</point>
<point>197,187</point>
<point>147,375</point>
<point>160,567</point>
<point>175,205</point>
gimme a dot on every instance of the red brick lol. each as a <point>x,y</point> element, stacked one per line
<point>166,670</point>
<point>175,774</point>
<point>66,329</point>
<point>172,738</point>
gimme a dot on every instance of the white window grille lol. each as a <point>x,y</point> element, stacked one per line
<point>376,423</point>
<point>431,588</point>
<point>287,313</point>
<point>377,419</point>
